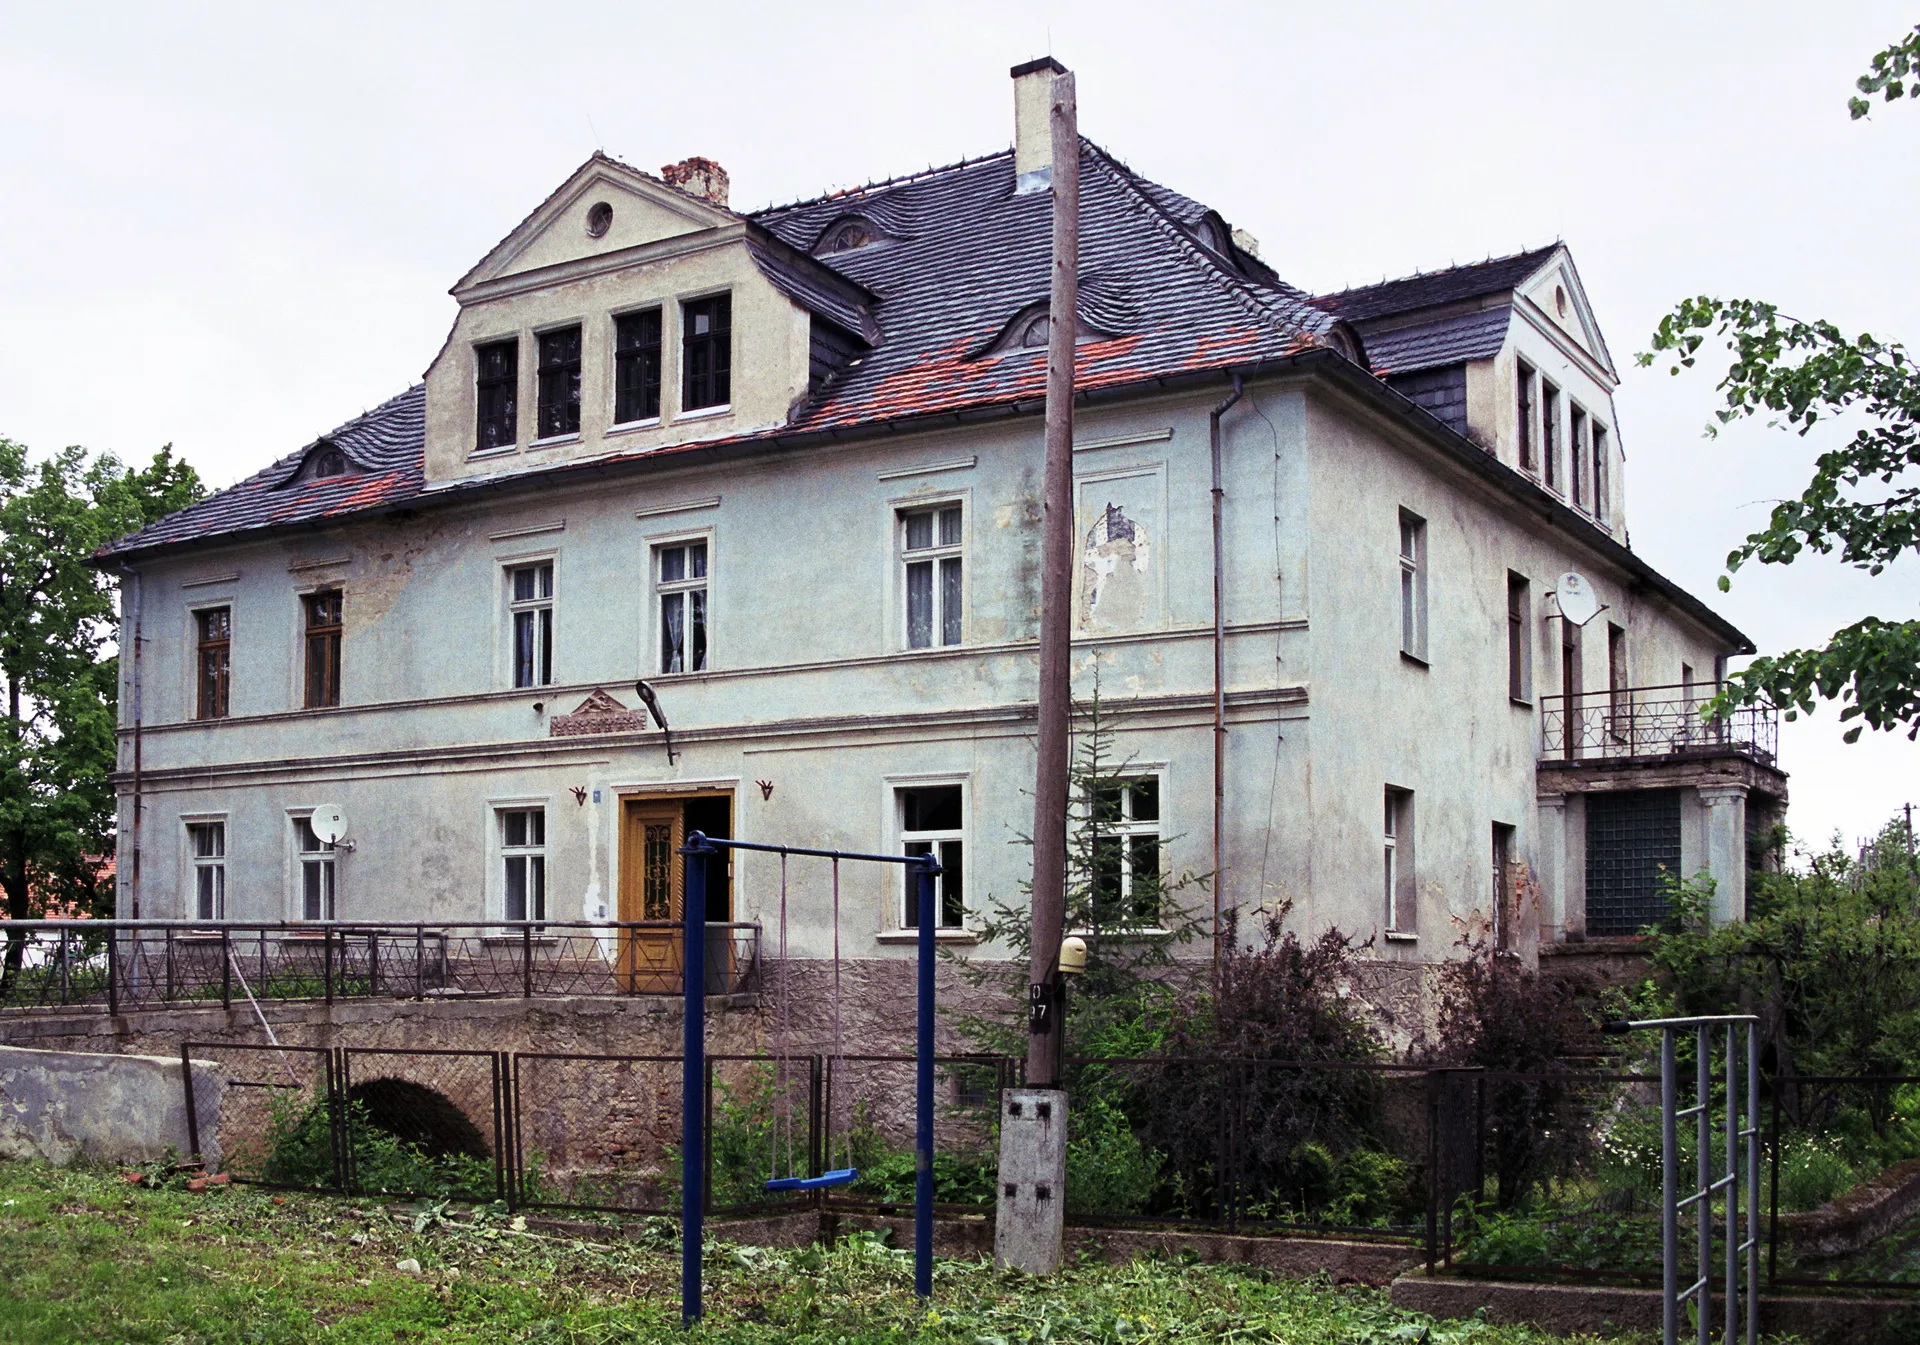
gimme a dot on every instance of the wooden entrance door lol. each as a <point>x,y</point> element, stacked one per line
<point>652,832</point>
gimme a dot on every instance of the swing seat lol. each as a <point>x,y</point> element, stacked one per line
<point>837,1177</point>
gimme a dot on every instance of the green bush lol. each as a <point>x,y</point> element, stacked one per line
<point>299,1152</point>
<point>1109,1171</point>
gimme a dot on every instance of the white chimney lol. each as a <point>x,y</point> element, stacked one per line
<point>1032,124</point>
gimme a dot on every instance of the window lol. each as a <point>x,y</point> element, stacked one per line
<point>530,603</point>
<point>523,861</point>
<point>213,661</point>
<point>1617,692</point>
<point>636,367</point>
<point>559,383</point>
<point>1550,432</point>
<point>207,844</point>
<point>497,387</point>
<point>930,823</point>
<point>1519,646</point>
<point>682,586</point>
<point>1397,861</point>
<point>1503,886</point>
<point>316,872</point>
<point>1577,455</point>
<point>1126,854</point>
<point>1572,709</point>
<point>1526,417</point>
<point>930,549</point>
<point>708,329</point>
<point>323,648</point>
<point>1413,585</point>
<point>1601,509</point>
<point>330,463</point>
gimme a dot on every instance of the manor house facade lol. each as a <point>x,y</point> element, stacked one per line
<point>783,468</point>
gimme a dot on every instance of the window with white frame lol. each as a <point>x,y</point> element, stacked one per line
<point>316,859</point>
<point>680,583</point>
<point>523,863</point>
<point>931,550</point>
<point>530,608</point>
<point>1413,585</point>
<point>1397,862</point>
<point>1124,827</point>
<point>207,851</point>
<point>932,821</point>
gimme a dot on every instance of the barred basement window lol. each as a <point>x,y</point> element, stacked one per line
<point>323,648</point>
<point>636,367</point>
<point>497,388</point>
<point>523,859</point>
<point>207,842</point>
<point>707,326</point>
<point>559,383</point>
<point>530,604</point>
<point>931,551</point>
<point>214,658</point>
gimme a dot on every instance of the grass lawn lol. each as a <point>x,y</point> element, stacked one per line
<point>87,1256</point>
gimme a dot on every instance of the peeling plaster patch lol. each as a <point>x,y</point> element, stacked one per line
<point>385,570</point>
<point>1116,581</point>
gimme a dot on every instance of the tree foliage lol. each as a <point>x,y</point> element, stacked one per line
<point>58,671</point>
<point>1887,75</point>
<point>1863,501</point>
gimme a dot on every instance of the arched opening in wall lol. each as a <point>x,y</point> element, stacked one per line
<point>419,1116</point>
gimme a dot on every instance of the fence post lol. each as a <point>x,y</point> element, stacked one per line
<point>113,974</point>
<point>326,963</point>
<point>526,962</point>
<point>1703,1174</point>
<point>419,959</point>
<point>373,963</point>
<point>168,996</point>
<point>502,1133</point>
<point>1669,1181</point>
<point>693,1139</point>
<point>65,963</point>
<point>193,1115</point>
<point>226,968</point>
<point>1433,1170</point>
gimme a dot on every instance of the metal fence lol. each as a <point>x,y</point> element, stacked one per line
<point>1655,721</point>
<point>118,965</point>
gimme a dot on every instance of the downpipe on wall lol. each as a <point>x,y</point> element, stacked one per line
<point>1219,658</point>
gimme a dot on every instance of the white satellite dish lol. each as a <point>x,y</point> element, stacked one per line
<point>328,823</point>
<point>1578,602</point>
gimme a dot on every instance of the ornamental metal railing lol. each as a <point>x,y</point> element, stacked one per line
<point>1657,721</point>
<point>119,965</point>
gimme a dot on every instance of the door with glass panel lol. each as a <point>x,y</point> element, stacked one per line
<point>651,834</point>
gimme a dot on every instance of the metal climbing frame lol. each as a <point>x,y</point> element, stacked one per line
<point>697,850</point>
<point>1739,1042</point>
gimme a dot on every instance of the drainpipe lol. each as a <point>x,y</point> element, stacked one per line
<point>1219,665</point>
<point>134,873</point>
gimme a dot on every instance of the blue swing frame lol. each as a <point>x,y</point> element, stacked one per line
<point>696,851</point>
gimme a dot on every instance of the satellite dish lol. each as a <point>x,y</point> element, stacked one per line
<point>1578,602</point>
<point>328,823</point>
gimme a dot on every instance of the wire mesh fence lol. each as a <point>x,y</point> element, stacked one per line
<point>423,1123</point>
<point>120,965</point>
<point>279,1123</point>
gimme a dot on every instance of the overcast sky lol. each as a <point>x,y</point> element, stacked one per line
<point>232,227</point>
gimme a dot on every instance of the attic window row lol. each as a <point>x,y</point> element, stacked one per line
<point>636,350</point>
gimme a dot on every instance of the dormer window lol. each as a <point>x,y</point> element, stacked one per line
<point>560,383</point>
<point>1036,332</point>
<point>330,462</point>
<point>1030,330</point>
<point>496,392</point>
<point>707,325</point>
<point>845,236</point>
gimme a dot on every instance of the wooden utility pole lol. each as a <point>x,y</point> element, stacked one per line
<point>1045,1027</point>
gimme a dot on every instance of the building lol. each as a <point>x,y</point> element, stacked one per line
<point>784,467</point>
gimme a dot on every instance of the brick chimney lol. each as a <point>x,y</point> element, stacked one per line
<point>699,177</point>
<point>1032,124</point>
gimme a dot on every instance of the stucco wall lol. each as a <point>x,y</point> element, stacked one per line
<point>68,1106</point>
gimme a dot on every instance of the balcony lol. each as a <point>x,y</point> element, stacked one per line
<point>1651,723</point>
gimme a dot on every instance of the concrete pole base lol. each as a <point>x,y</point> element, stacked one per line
<point>1030,1215</point>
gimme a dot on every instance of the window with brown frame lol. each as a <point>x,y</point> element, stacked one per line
<point>1550,433</point>
<point>636,367</point>
<point>1600,501</point>
<point>559,383</point>
<point>323,648</point>
<point>1519,646</point>
<point>708,337</point>
<point>1577,456</point>
<point>1525,409</point>
<point>496,390</point>
<point>214,661</point>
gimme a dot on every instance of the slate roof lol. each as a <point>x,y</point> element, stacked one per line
<point>1430,289</point>
<point>960,257</point>
<point>1428,345</point>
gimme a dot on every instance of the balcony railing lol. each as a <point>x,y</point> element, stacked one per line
<point>1661,721</point>
<point>118,965</point>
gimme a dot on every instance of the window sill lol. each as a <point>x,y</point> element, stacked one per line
<point>1144,932</point>
<point>554,440</point>
<point>1519,704</point>
<point>514,940</point>
<point>910,936</point>
<point>706,412</point>
<point>483,454</point>
<point>1415,660</point>
<point>1399,936</point>
<point>631,427</point>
